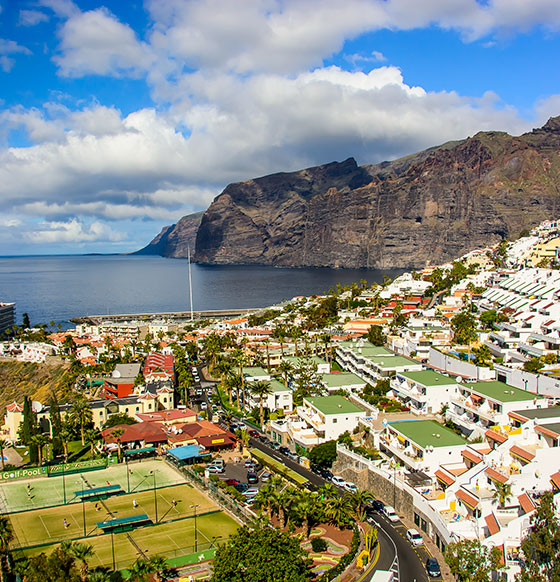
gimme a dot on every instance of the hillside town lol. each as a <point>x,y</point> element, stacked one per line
<point>439,388</point>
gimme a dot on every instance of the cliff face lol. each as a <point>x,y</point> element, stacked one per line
<point>426,208</point>
<point>174,240</point>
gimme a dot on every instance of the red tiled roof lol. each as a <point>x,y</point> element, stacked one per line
<point>471,501</point>
<point>555,480</point>
<point>492,523</point>
<point>526,503</point>
<point>519,452</point>
<point>467,454</point>
<point>495,476</point>
<point>150,432</point>
<point>444,477</point>
<point>518,416</point>
<point>215,441</point>
<point>14,407</point>
<point>495,436</point>
<point>165,415</point>
<point>546,431</point>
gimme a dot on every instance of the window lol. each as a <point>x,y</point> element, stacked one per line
<point>424,525</point>
<point>416,519</point>
<point>334,420</point>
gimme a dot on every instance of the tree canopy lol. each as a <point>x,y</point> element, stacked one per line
<point>323,454</point>
<point>261,555</point>
<point>470,561</point>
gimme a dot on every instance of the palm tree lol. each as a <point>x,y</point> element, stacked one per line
<point>296,334</point>
<point>100,575</point>
<point>261,388</point>
<point>285,368</point>
<point>92,436</point>
<point>228,417</point>
<point>40,440</point>
<point>65,434</point>
<point>502,493</point>
<point>360,499</point>
<point>140,570</point>
<point>80,413</point>
<point>307,509</point>
<point>268,497</point>
<point>117,434</point>
<point>328,491</point>
<point>6,536</point>
<point>156,565</point>
<point>241,360</point>
<point>339,511</point>
<point>82,552</point>
<point>4,444</point>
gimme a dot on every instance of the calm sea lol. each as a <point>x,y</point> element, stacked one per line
<point>59,288</point>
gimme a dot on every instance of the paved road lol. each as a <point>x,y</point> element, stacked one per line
<point>396,552</point>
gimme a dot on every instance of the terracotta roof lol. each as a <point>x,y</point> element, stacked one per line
<point>467,454</point>
<point>555,480</point>
<point>165,415</point>
<point>471,501</point>
<point>518,416</point>
<point>519,452</point>
<point>526,503</point>
<point>492,523</point>
<point>14,407</point>
<point>495,436</point>
<point>495,476</point>
<point>214,441</point>
<point>444,477</point>
<point>546,431</point>
<point>150,432</point>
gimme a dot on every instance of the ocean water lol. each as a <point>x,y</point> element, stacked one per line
<point>59,288</point>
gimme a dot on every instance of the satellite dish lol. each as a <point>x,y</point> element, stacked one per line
<point>459,379</point>
<point>36,406</point>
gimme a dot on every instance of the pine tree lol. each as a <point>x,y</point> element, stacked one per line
<point>56,426</point>
<point>28,430</point>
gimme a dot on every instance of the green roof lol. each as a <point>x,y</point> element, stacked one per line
<point>424,433</point>
<point>342,379</point>
<point>375,352</point>
<point>333,405</point>
<point>428,378</point>
<point>368,348</point>
<point>276,386</point>
<point>393,362</point>
<point>501,392</point>
<point>294,360</point>
<point>255,371</point>
<point>532,413</point>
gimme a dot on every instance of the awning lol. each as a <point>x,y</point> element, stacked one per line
<point>138,451</point>
<point>555,480</point>
<point>186,452</point>
<point>521,454</point>
<point>444,478</point>
<point>547,431</point>
<point>526,503</point>
<point>467,454</point>
<point>495,436</point>
<point>222,440</point>
<point>495,476</point>
<point>492,523</point>
<point>468,500</point>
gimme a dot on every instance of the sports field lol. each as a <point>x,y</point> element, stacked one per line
<point>172,534</point>
<point>49,491</point>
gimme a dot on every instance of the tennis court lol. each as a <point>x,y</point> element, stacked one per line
<point>67,521</point>
<point>169,539</point>
<point>22,495</point>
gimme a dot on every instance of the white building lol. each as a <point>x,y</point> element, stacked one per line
<point>425,392</point>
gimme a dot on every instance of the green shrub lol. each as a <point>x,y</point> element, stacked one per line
<point>318,545</point>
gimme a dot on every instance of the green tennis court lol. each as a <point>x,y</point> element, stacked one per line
<point>170,539</point>
<point>22,495</point>
<point>67,521</point>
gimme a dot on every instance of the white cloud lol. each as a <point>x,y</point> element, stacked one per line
<point>95,42</point>
<point>10,47</point>
<point>62,8</point>
<point>31,17</point>
<point>73,231</point>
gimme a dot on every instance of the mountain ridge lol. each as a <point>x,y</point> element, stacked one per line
<point>427,207</point>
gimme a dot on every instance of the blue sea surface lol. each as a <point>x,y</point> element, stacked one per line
<point>59,288</point>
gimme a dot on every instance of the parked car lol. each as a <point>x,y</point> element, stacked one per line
<point>249,463</point>
<point>203,405</point>
<point>293,456</point>
<point>275,445</point>
<point>390,513</point>
<point>266,476</point>
<point>252,478</point>
<point>338,481</point>
<point>251,491</point>
<point>255,434</point>
<point>232,482</point>
<point>432,567</point>
<point>414,537</point>
<point>350,487</point>
<point>326,474</point>
<point>215,468</point>
<point>241,487</point>
<point>284,450</point>
<point>377,505</point>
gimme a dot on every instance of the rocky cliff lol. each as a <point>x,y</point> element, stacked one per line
<point>174,240</point>
<point>425,208</point>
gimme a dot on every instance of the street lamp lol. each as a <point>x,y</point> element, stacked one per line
<point>63,484</point>
<point>195,530</point>
<point>83,506</point>
<point>127,472</point>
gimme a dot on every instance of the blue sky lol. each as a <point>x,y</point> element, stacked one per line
<point>117,118</point>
